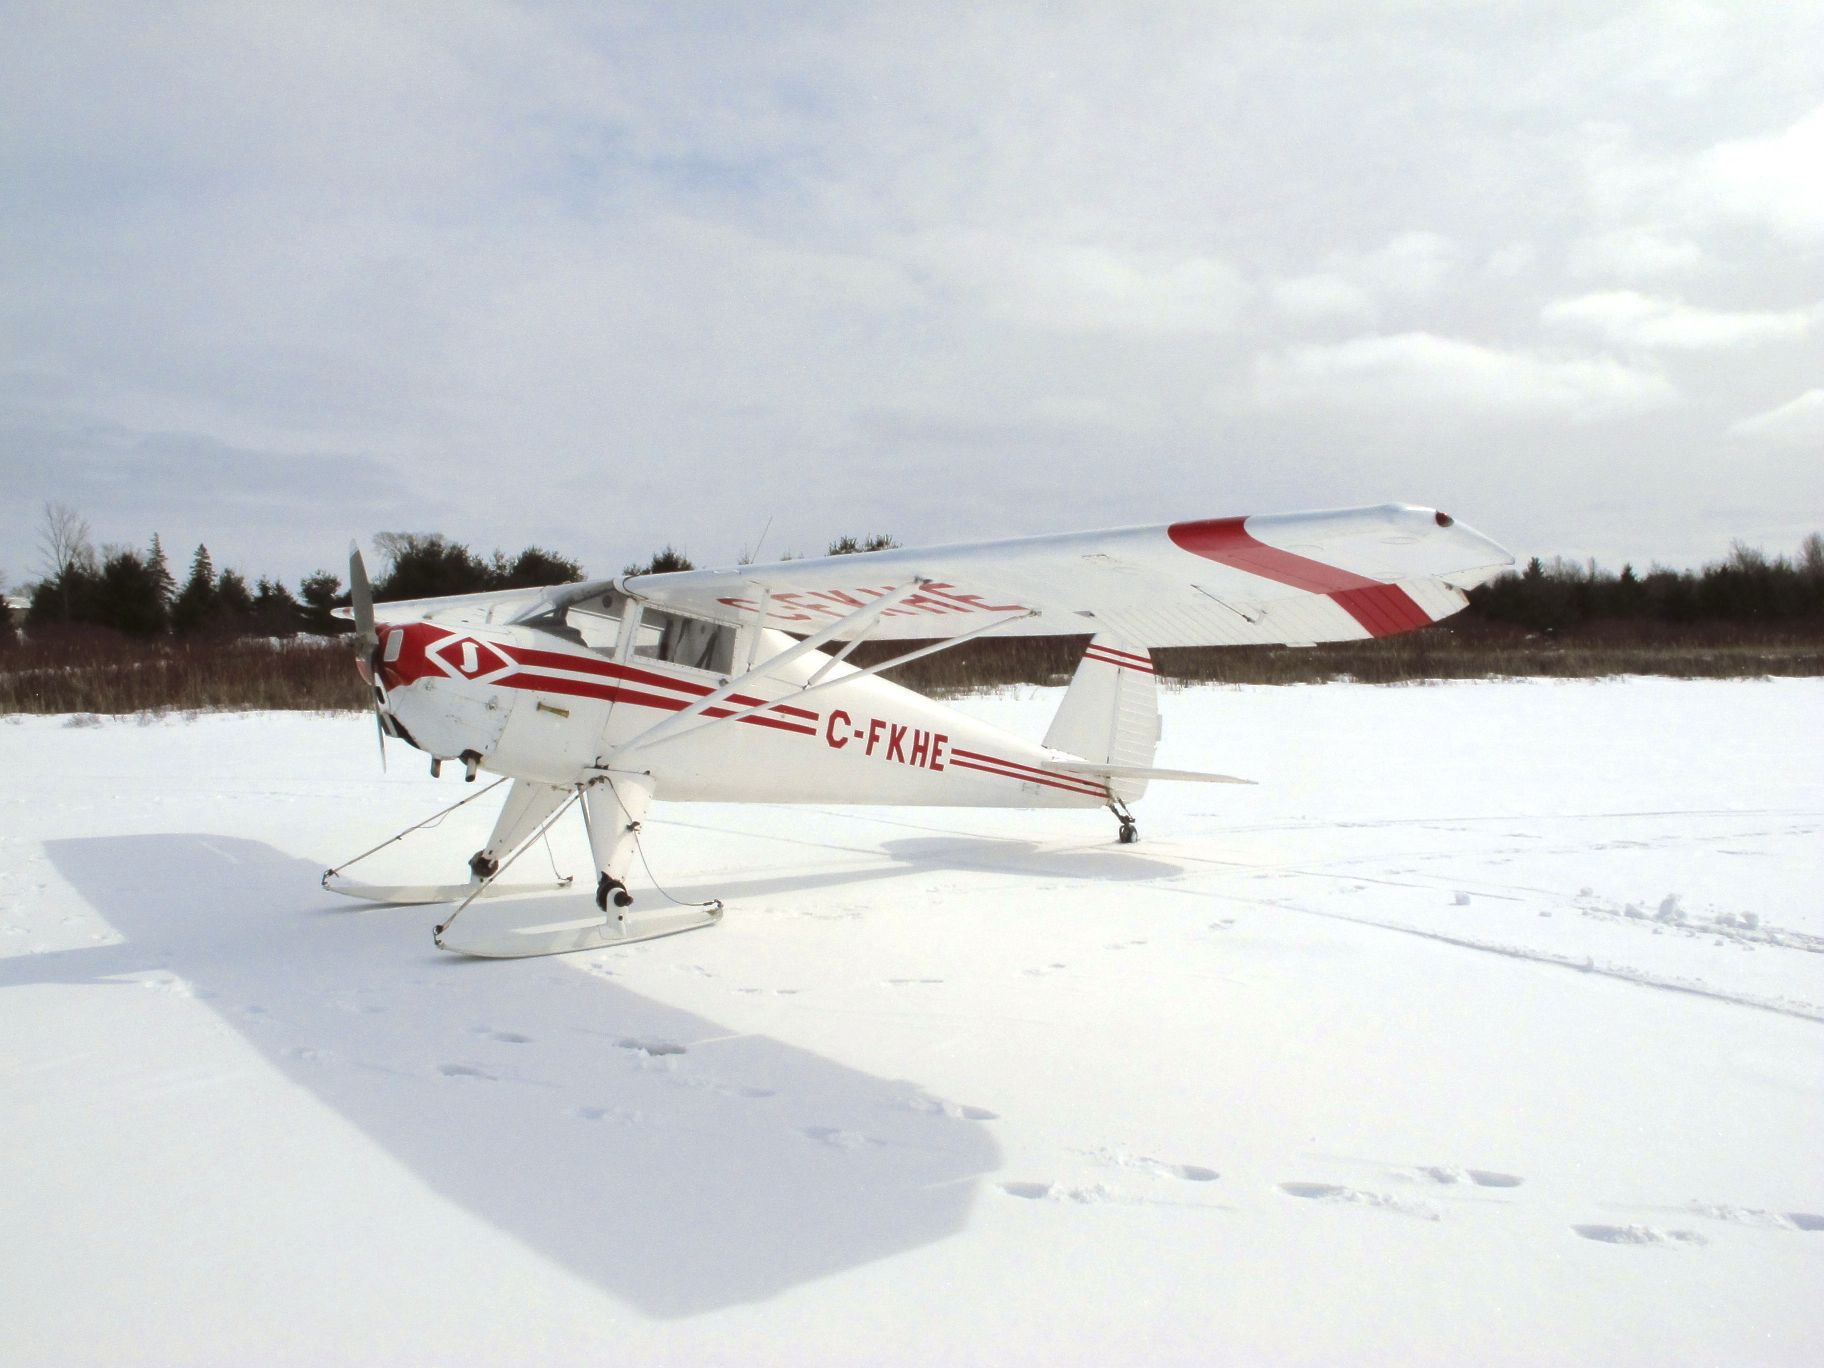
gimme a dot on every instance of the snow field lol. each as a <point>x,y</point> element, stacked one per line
<point>1491,1025</point>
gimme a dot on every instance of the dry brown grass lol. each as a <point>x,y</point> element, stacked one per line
<point>93,671</point>
<point>1478,651</point>
<point>90,670</point>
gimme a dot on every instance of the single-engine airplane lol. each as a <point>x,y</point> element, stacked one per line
<point>715,685</point>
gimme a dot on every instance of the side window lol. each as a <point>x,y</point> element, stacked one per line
<point>686,641</point>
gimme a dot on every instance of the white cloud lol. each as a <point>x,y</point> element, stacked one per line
<point>1796,423</point>
<point>1634,254</point>
<point>1515,258</point>
<point>1411,264</point>
<point>1627,319</point>
<point>1321,298</point>
<point>1433,374</point>
<point>1088,288</point>
<point>1777,179</point>
<point>1354,287</point>
<point>624,251</point>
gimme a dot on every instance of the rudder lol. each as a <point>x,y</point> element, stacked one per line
<point>1110,713</point>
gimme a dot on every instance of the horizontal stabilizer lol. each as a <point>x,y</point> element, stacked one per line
<point>1090,770</point>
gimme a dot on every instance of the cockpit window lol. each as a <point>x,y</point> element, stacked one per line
<point>686,641</point>
<point>598,627</point>
<point>593,622</point>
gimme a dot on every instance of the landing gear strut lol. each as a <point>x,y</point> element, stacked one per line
<point>1129,831</point>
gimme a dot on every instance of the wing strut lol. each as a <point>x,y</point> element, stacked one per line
<point>863,617</point>
<point>667,730</point>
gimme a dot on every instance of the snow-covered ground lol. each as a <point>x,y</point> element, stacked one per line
<point>1489,1028</point>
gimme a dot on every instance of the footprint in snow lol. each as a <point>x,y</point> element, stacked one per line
<point>652,1048</point>
<point>505,1037</point>
<point>1638,1235</point>
<point>466,1071</point>
<point>623,1115</point>
<point>838,1138</point>
<point>956,1111</point>
<point>1756,1216</point>
<point>1057,1192</point>
<point>1335,1193</point>
<point>1188,1173</point>
<point>1159,1168</point>
<point>1447,1176</point>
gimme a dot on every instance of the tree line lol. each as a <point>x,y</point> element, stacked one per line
<point>1748,587</point>
<point>133,592</point>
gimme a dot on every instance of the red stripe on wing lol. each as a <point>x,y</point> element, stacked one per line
<point>1381,609</point>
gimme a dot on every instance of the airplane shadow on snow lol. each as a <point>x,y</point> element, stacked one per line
<point>638,1145</point>
<point>914,856</point>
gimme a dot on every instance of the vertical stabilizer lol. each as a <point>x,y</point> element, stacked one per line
<point>1110,713</point>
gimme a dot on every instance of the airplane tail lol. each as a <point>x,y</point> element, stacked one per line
<point>1110,714</point>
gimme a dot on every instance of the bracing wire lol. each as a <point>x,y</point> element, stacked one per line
<point>639,848</point>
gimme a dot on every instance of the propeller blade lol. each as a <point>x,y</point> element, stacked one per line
<point>367,639</point>
<point>361,599</point>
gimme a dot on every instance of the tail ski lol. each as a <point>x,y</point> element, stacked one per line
<point>1110,717</point>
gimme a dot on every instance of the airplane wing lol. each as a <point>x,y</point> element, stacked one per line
<point>491,606</point>
<point>1292,578</point>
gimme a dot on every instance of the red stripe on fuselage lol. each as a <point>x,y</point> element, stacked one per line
<point>1051,782</point>
<point>582,688</point>
<point>608,669</point>
<point>1381,609</point>
<point>1013,769</point>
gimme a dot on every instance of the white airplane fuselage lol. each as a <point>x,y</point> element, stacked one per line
<point>532,705</point>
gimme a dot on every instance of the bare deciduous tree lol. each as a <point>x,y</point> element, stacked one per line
<point>64,541</point>
<point>1811,555</point>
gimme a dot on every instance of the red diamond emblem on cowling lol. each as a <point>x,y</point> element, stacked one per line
<point>468,657</point>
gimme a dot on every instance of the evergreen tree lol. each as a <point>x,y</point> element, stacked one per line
<point>161,573</point>
<point>534,568</point>
<point>274,609</point>
<point>65,598</point>
<point>321,593</point>
<point>429,565</point>
<point>849,546</point>
<point>129,598</point>
<point>196,602</point>
<point>234,601</point>
<point>666,562</point>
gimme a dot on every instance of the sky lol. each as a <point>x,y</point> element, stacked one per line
<point>747,277</point>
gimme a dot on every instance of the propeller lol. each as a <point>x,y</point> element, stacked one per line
<point>367,639</point>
